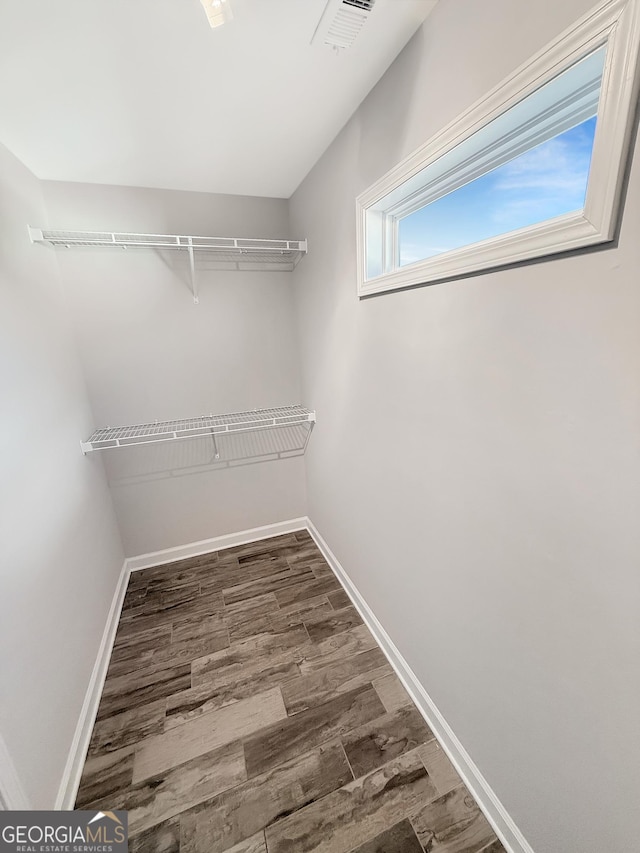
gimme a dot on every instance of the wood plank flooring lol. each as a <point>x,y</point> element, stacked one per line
<point>247,709</point>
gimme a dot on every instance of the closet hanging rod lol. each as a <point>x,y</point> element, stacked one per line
<point>203,426</point>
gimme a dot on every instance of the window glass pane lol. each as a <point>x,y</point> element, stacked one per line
<point>544,182</point>
<point>529,164</point>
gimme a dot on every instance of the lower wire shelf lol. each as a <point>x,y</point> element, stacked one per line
<point>235,423</point>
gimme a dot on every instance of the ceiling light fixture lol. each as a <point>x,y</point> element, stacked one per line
<point>218,11</point>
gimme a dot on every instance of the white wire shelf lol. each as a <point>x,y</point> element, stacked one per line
<point>225,248</point>
<point>205,425</point>
<point>240,253</point>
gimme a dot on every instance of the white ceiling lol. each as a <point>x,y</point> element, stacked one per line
<point>145,93</point>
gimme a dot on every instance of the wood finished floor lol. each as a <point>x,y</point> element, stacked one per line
<point>247,709</point>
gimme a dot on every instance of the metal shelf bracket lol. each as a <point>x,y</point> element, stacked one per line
<point>192,267</point>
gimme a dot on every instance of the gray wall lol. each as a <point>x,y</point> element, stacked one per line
<point>150,353</point>
<point>475,467</point>
<point>61,552</point>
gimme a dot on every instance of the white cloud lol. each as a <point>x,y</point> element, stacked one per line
<point>552,167</point>
<point>548,180</point>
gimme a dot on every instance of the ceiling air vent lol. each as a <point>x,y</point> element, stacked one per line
<point>367,5</point>
<point>342,21</point>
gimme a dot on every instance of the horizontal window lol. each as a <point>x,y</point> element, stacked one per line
<point>532,170</point>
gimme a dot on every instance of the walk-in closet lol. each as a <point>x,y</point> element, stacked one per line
<point>320,469</point>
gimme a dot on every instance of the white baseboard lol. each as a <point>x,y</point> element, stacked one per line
<point>68,789</point>
<point>12,794</point>
<point>218,543</point>
<point>486,798</point>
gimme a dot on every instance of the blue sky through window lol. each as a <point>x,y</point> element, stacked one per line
<point>547,181</point>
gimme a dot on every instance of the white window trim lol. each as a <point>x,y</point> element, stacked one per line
<point>615,23</point>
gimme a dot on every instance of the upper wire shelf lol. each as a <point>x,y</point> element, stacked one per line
<point>224,248</point>
<point>236,253</point>
<point>206,425</point>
